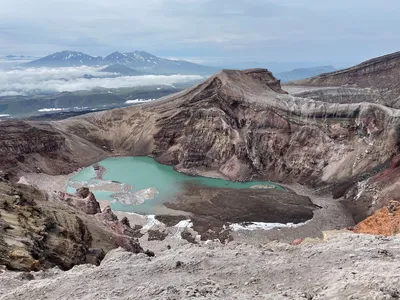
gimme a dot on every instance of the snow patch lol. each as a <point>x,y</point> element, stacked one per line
<point>68,56</point>
<point>23,180</point>
<point>181,227</point>
<point>138,101</point>
<point>61,109</point>
<point>361,186</point>
<point>151,222</point>
<point>264,226</point>
<point>184,224</point>
<point>51,109</point>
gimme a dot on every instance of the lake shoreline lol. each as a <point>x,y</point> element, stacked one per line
<point>322,219</point>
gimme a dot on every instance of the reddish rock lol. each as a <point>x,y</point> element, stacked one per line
<point>125,236</point>
<point>88,204</point>
<point>297,242</point>
<point>385,221</point>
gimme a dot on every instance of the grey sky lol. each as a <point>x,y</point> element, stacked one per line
<point>215,32</point>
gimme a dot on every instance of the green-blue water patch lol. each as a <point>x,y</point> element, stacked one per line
<point>143,173</point>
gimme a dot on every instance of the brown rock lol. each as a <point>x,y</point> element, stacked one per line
<point>108,214</point>
<point>156,235</point>
<point>82,192</point>
<point>87,204</point>
<point>125,221</point>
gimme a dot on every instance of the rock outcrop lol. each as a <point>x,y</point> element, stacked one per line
<point>84,201</point>
<point>38,231</point>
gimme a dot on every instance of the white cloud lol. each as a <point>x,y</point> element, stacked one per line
<point>26,81</point>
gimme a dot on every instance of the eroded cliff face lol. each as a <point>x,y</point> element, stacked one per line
<point>241,140</point>
<point>40,147</point>
<point>251,131</point>
<point>379,75</point>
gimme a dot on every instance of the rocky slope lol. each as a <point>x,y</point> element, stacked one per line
<point>38,230</point>
<point>344,266</point>
<point>377,72</point>
<point>380,74</point>
<point>240,124</point>
<point>38,147</point>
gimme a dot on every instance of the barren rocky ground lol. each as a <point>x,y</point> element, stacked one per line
<point>345,266</point>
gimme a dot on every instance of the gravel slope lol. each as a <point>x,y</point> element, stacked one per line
<point>346,266</point>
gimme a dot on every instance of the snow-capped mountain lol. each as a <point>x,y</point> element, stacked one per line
<point>149,63</point>
<point>139,60</point>
<point>66,59</point>
<point>116,58</point>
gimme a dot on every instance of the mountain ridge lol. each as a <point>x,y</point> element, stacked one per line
<point>140,60</point>
<point>376,78</point>
<point>378,68</point>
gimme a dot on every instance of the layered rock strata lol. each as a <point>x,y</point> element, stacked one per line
<point>39,231</point>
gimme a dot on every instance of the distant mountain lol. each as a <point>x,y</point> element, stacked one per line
<point>144,61</point>
<point>122,70</point>
<point>17,56</point>
<point>66,59</point>
<point>139,60</point>
<point>302,73</point>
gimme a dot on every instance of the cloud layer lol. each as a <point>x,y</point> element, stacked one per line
<point>34,80</point>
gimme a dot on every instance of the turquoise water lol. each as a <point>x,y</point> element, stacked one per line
<point>144,172</point>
